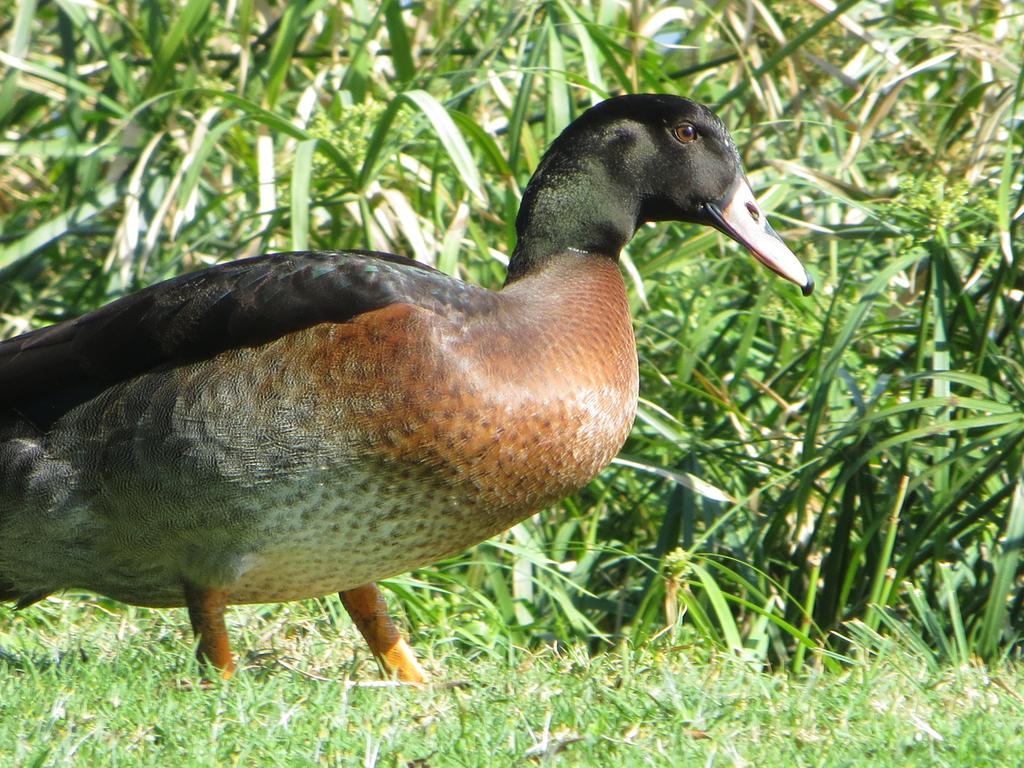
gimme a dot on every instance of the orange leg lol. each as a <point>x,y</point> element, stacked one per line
<point>368,610</point>
<point>206,612</point>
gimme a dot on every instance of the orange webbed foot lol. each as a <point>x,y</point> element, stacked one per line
<point>369,612</point>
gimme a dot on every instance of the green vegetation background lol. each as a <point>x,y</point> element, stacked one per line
<point>829,486</point>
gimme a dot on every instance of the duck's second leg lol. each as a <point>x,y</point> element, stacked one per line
<point>206,612</point>
<point>368,610</point>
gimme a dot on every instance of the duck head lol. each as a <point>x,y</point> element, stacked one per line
<point>641,158</point>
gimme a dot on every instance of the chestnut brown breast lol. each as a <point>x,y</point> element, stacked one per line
<point>511,411</point>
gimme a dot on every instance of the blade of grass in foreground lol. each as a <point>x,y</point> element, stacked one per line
<point>1005,561</point>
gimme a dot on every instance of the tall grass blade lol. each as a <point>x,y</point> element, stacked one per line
<point>185,22</point>
<point>1006,562</point>
<point>16,49</point>
<point>301,189</point>
<point>451,139</point>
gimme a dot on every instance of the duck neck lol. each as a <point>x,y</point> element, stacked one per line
<point>570,208</point>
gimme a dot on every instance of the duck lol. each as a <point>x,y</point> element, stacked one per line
<point>295,425</point>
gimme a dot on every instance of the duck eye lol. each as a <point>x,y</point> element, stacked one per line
<point>685,132</point>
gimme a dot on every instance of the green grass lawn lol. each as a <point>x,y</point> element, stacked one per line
<point>95,684</point>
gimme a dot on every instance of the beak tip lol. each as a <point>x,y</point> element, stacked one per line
<point>808,287</point>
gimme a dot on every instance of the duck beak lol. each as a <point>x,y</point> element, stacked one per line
<point>740,217</point>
